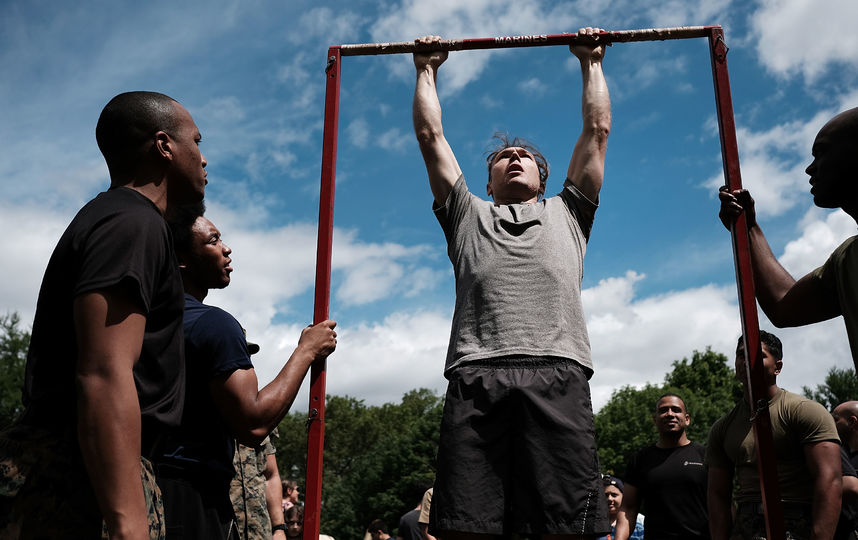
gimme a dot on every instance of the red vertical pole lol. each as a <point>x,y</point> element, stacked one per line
<point>316,413</point>
<point>756,389</point>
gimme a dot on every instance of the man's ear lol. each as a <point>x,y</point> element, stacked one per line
<point>489,190</point>
<point>779,365</point>
<point>163,145</point>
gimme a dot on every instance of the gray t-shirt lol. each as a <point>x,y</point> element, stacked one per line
<point>518,276</point>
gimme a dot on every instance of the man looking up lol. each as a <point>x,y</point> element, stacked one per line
<point>831,289</point>
<point>517,411</point>
<point>105,369</point>
<point>669,477</point>
<point>223,400</point>
<point>807,453</point>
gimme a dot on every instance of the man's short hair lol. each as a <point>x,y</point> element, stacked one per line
<point>772,343</point>
<point>128,121</point>
<point>505,142</point>
<point>671,394</point>
<point>181,221</point>
<point>378,525</point>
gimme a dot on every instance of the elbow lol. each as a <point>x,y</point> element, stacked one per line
<point>252,437</point>
<point>427,136</point>
<point>600,126</point>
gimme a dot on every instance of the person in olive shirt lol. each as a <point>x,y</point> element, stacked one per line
<point>807,451</point>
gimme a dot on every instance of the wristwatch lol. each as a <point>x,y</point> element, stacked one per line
<point>281,527</point>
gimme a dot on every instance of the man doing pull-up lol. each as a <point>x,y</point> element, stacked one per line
<point>517,450</point>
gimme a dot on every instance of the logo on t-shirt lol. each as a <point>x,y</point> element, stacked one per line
<point>687,463</point>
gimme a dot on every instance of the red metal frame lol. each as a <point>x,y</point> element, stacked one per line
<point>732,175</point>
<point>755,384</point>
<point>316,416</point>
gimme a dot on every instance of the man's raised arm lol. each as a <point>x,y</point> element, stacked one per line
<point>587,166</point>
<point>441,164</point>
<point>785,301</point>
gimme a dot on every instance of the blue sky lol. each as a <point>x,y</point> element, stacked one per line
<point>658,277</point>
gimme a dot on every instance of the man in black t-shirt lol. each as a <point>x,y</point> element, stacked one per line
<point>105,369</point>
<point>223,400</point>
<point>669,479</point>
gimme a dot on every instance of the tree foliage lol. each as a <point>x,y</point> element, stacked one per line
<point>840,385</point>
<point>14,343</point>
<point>377,461</point>
<point>624,425</point>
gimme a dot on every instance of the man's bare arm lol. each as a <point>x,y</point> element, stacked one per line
<point>250,413</point>
<point>109,328</point>
<point>720,500</point>
<point>441,164</point>
<point>629,510</point>
<point>587,166</point>
<point>785,301</point>
<point>424,528</point>
<point>823,462</point>
<point>274,495</point>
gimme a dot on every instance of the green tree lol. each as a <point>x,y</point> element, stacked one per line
<point>624,425</point>
<point>374,457</point>
<point>840,385</point>
<point>14,343</point>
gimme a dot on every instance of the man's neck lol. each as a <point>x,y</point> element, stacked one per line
<point>150,185</point>
<point>770,392</point>
<point>671,440</point>
<point>195,290</point>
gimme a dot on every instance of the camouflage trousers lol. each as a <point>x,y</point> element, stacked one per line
<point>750,523</point>
<point>45,492</point>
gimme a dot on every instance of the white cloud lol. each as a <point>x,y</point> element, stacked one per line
<point>358,132</point>
<point>773,161</point>
<point>31,233</point>
<point>799,36</point>
<point>532,86</point>
<point>395,139</point>
<point>375,361</point>
<point>452,19</point>
<point>636,340</point>
<point>337,27</point>
<point>820,235</point>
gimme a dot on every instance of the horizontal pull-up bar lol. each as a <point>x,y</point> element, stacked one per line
<point>620,36</point>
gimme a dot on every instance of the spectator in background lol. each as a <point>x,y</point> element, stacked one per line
<point>423,519</point>
<point>614,495</point>
<point>290,494</point>
<point>669,477</point>
<point>378,530</point>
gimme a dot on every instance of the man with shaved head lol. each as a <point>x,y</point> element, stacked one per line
<point>105,369</point>
<point>517,448</point>
<point>846,420</point>
<point>831,289</point>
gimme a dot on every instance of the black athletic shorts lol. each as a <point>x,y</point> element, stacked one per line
<point>517,451</point>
